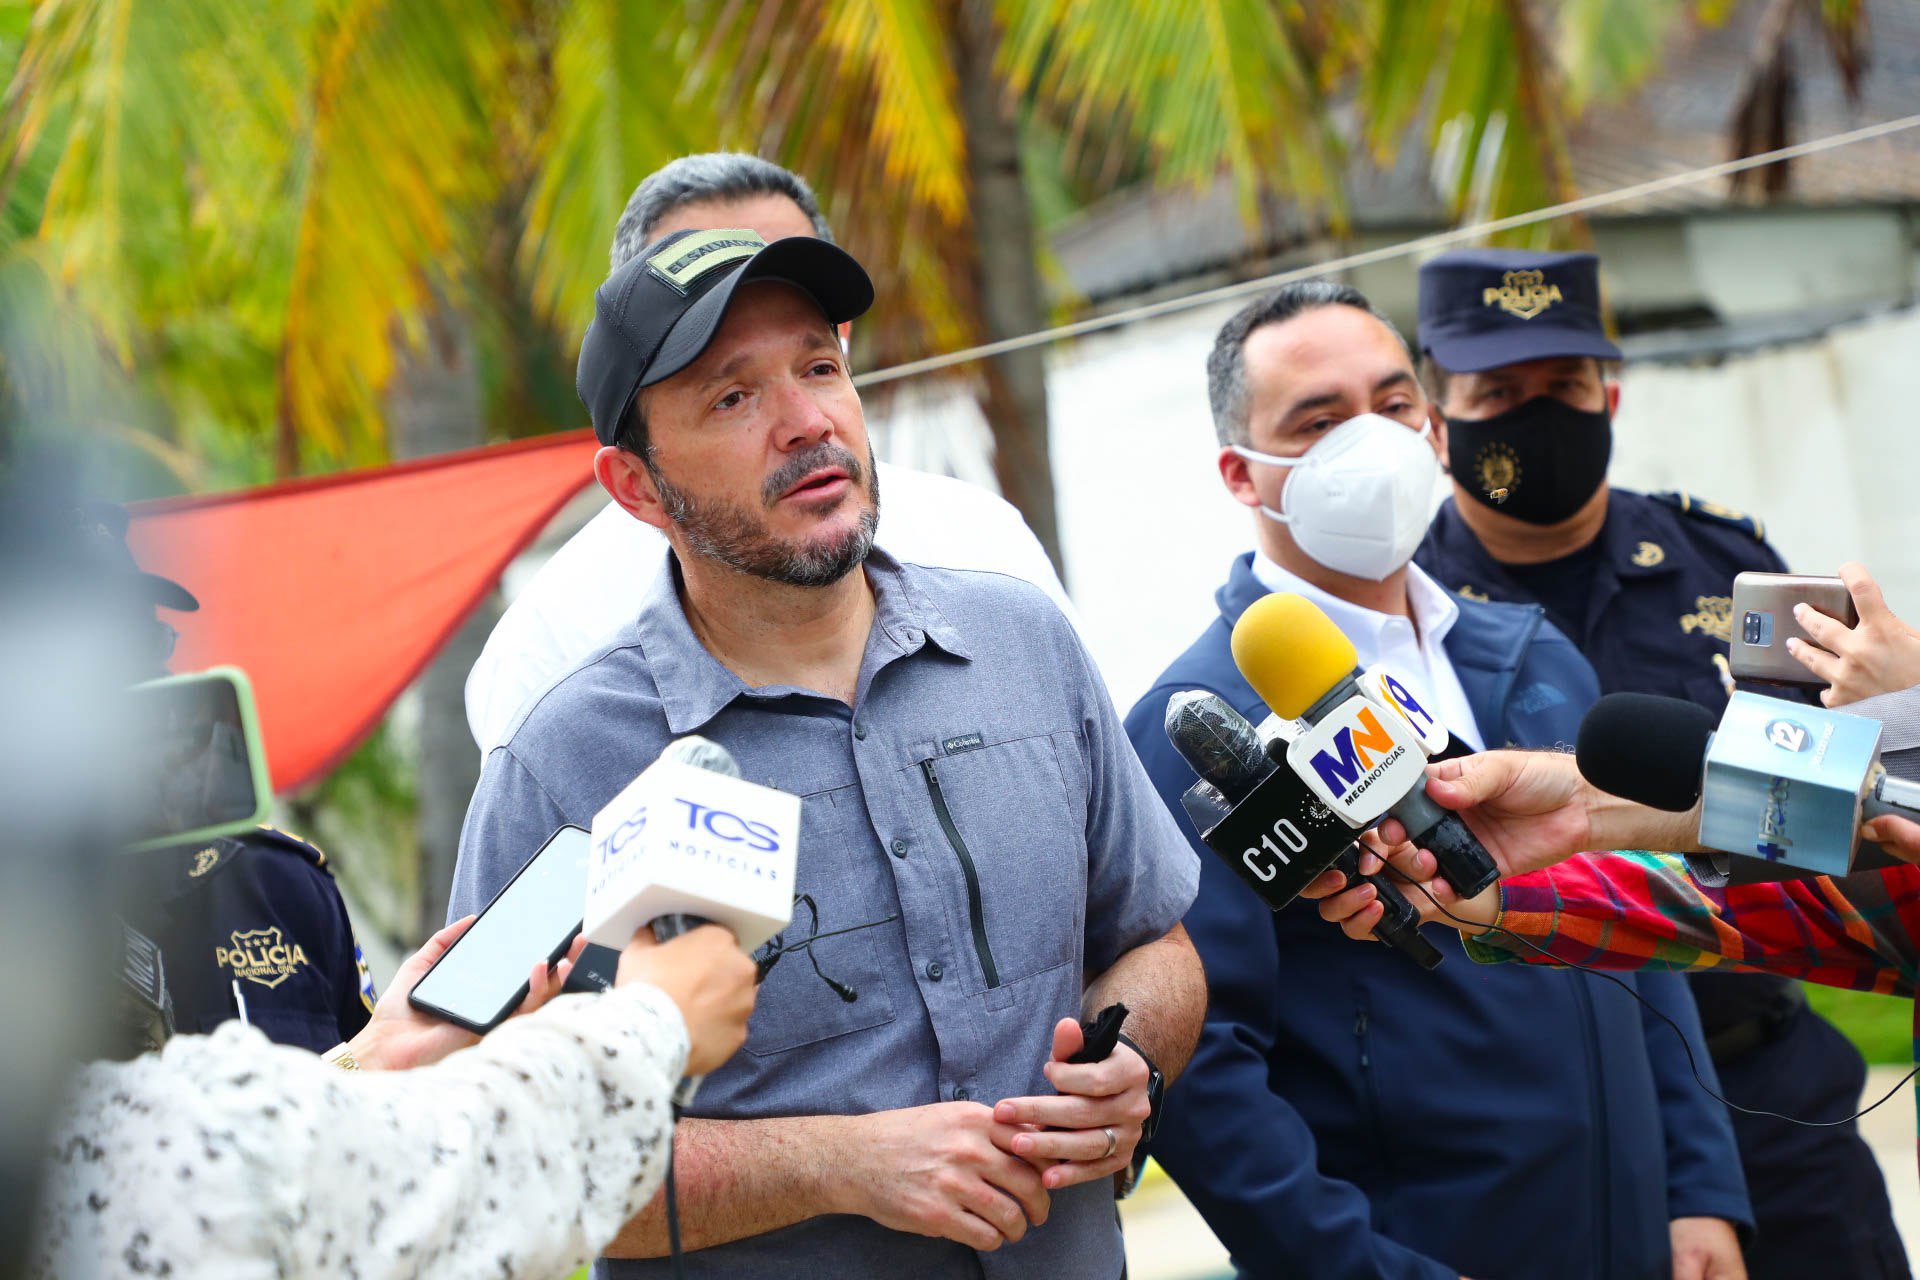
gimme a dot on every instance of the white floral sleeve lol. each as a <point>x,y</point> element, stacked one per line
<point>227,1155</point>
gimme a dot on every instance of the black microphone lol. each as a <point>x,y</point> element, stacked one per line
<point>1786,784</point>
<point>1266,824</point>
<point>1367,739</point>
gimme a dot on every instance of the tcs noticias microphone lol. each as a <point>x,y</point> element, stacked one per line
<point>1265,823</point>
<point>1367,738</point>
<point>1785,784</point>
<point>690,842</point>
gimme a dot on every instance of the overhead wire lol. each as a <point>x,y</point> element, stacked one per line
<point>1386,253</point>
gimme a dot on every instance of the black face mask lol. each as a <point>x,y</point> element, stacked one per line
<point>1539,461</point>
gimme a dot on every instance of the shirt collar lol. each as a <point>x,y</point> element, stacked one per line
<point>695,686</point>
<point>1434,609</point>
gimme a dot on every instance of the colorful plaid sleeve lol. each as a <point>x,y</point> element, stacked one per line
<point>1643,911</point>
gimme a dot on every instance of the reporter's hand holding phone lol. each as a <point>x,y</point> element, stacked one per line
<point>704,973</point>
<point>399,1037</point>
<point>1880,654</point>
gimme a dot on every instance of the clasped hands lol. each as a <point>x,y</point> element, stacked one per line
<point>983,1176</point>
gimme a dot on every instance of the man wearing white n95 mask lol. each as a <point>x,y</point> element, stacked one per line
<point>1284,1129</point>
<point>593,585</point>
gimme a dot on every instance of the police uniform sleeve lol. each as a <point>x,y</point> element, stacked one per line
<point>332,941</point>
<point>353,984</point>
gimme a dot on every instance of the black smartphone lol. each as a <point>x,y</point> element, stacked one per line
<point>1100,1034</point>
<point>204,772</point>
<point>483,976</point>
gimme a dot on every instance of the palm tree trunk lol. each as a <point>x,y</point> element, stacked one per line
<point>434,406</point>
<point>1006,277</point>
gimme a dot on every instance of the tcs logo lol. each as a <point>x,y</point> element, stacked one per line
<point>1354,751</point>
<point>730,827</point>
<point>700,819</point>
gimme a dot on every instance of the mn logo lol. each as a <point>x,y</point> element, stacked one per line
<point>1353,753</point>
<point>1522,293</point>
<point>260,955</point>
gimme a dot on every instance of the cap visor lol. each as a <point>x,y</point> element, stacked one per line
<point>824,272</point>
<point>169,594</point>
<point>1475,352</point>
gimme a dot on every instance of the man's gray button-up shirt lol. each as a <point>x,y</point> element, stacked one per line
<point>977,838</point>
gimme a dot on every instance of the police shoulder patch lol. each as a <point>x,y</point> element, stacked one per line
<point>1699,508</point>
<point>287,842</point>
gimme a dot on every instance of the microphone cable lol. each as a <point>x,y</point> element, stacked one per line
<point>674,1252</point>
<point>1693,1063</point>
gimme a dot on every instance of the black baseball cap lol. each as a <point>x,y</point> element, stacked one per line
<point>657,313</point>
<point>102,527</point>
<point>1483,308</point>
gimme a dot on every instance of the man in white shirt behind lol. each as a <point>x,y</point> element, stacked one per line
<point>595,582</point>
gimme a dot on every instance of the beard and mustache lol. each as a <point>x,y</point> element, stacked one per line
<point>733,535</point>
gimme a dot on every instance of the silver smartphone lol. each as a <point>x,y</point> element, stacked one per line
<point>1763,622</point>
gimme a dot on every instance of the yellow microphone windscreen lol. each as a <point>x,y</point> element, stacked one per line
<point>1290,652</point>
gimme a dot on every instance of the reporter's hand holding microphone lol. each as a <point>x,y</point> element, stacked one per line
<point>708,977</point>
<point>1530,809</point>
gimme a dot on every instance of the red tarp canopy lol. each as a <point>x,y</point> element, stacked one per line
<point>333,593</point>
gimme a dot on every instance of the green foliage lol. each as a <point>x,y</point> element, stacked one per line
<point>1881,1027</point>
<point>1205,86</point>
<point>363,816</point>
<point>258,202</point>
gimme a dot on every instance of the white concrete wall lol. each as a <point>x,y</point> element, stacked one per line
<point>1822,440</point>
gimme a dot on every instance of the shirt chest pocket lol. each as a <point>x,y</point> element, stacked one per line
<point>830,978</point>
<point>1014,835</point>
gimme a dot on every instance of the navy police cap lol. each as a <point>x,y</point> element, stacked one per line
<point>657,313</point>
<point>1483,308</point>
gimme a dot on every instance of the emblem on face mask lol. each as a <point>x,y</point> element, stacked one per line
<point>1522,293</point>
<point>1649,554</point>
<point>1497,468</point>
<point>1713,616</point>
<point>260,955</point>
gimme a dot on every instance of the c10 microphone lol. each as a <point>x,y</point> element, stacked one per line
<point>1364,751</point>
<point>1265,824</point>
<point>1786,785</point>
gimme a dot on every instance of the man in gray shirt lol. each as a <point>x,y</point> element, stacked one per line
<point>983,860</point>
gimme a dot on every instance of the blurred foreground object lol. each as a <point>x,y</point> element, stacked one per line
<point>65,662</point>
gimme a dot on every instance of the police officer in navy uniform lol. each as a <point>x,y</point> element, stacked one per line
<point>250,925</point>
<point>1517,358</point>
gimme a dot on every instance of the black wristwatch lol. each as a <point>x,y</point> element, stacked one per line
<point>1156,1094</point>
